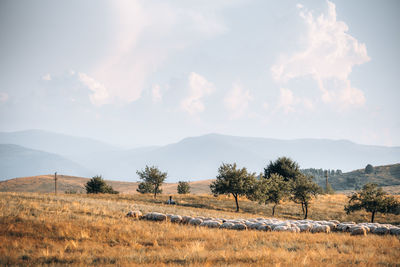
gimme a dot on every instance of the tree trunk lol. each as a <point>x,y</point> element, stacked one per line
<point>155,192</point>
<point>373,216</point>
<point>273,210</point>
<point>237,203</point>
<point>306,208</point>
<point>302,208</point>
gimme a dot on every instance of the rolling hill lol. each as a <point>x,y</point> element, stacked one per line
<point>193,158</point>
<point>45,184</point>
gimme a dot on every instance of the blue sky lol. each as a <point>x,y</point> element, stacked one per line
<point>153,72</point>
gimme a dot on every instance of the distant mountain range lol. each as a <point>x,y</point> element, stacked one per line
<point>37,152</point>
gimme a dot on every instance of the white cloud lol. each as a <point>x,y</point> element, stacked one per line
<point>286,100</point>
<point>100,95</point>
<point>289,102</point>
<point>199,87</point>
<point>146,35</point>
<point>156,93</point>
<point>237,101</point>
<point>329,57</point>
<point>46,77</point>
<point>3,97</point>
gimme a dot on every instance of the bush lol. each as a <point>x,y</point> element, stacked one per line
<point>98,185</point>
<point>369,169</point>
<point>183,187</point>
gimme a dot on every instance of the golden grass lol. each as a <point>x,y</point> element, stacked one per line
<point>45,184</point>
<point>43,229</point>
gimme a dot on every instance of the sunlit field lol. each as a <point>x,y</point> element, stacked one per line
<point>40,229</point>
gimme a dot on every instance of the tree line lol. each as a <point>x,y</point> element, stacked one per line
<point>281,180</point>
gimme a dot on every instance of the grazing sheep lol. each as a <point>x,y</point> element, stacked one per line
<point>176,219</point>
<point>255,225</point>
<point>186,219</point>
<point>395,231</point>
<point>195,221</point>
<point>381,230</point>
<point>211,224</point>
<point>239,226</point>
<point>358,230</point>
<point>156,216</point>
<point>280,228</point>
<point>304,227</point>
<point>344,227</point>
<point>320,229</point>
<point>134,214</point>
<point>265,228</point>
<point>227,225</point>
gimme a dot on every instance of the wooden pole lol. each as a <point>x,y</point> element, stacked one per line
<point>55,183</point>
<point>326,181</point>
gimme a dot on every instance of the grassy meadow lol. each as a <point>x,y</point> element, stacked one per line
<point>71,229</point>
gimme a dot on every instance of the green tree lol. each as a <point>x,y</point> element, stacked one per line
<point>303,189</point>
<point>272,190</point>
<point>369,169</point>
<point>98,185</point>
<point>283,166</point>
<point>231,180</point>
<point>153,176</point>
<point>145,188</point>
<point>372,198</point>
<point>183,187</point>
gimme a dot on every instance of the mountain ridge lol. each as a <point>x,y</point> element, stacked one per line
<point>198,157</point>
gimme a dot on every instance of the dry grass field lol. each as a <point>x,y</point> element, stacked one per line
<point>92,230</point>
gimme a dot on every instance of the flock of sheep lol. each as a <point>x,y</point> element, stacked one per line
<point>263,224</point>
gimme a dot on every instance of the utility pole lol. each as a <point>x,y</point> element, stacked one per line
<point>55,183</point>
<point>326,180</point>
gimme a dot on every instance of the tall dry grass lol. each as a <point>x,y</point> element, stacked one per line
<point>39,229</point>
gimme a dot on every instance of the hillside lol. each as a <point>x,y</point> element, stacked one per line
<point>92,230</point>
<point>45,184</point>
<point>387,176</point>
<point>17,161</point>
<point>193,158</point>
<point>383,176</point>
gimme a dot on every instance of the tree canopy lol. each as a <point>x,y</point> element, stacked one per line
<point>272,190</point>
<point>97,185</point>
<point>152,179</point>
<point>369,169</point>
<point>303,189</point>
<point>283,166</point>
<point>372,198</point>
<point>231,180</point>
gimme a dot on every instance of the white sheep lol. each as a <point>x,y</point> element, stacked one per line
<point>239,226</point>
<point>227,225</point>
<point>195,221</point>
<point>135,214</point>
<point>358,230</point>
<point>176,219</point>
<point>211,224</point>
<point>317,228</point>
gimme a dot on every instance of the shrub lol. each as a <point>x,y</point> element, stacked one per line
<point>183,187</point>
<point>98,185</point>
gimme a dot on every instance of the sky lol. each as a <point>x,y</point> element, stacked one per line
<point>137,73</point>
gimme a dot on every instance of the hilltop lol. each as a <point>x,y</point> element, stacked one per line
<point>45,184</point>
<point>387,176</point>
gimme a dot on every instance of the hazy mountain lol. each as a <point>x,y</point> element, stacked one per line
<point>199,157</point>
<point>54,142</point>
<point>196,158</point>
<point>17,161</point>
